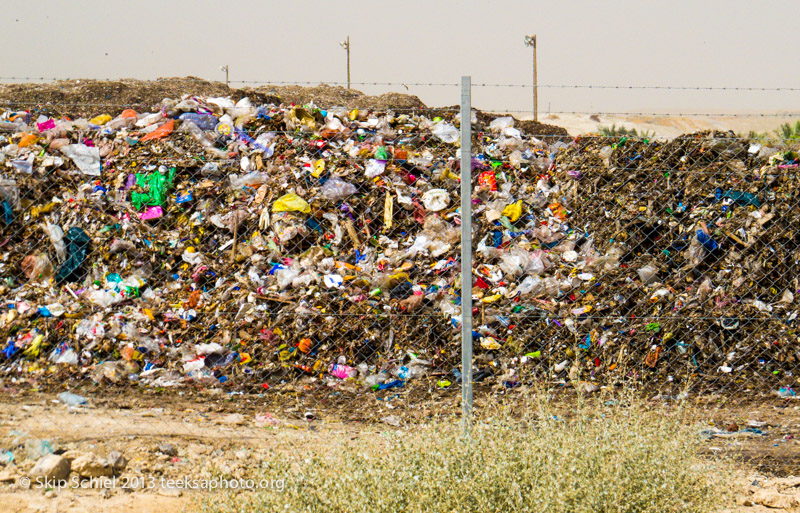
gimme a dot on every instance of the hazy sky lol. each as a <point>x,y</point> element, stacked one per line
<point>733,43</point>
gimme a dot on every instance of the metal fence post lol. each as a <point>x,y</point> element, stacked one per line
<point>466,250</point>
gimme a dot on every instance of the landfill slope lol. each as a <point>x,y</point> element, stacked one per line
<point>87,96</point>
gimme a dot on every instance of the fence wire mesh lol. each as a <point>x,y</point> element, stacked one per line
<point>308,257</point>
<point>666,263</point>
<point>295,256</point>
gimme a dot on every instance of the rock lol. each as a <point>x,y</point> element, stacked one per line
<point>168,449</point>
<point>91,465</point>
<point>51,467</point>
<point>235,419</point>
<point>87,464</point>
<point>787,483</point>
<point>50,494</point>
<point>774,499</point>
<point>72,454</point>
<point>117,461</point>
<point>6,476</point>
<point>196,450</point>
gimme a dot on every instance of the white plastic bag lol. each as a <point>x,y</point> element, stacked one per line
<point>500,124</point>
<point>85,157</point>
<point>445,132</point>
<point>375,168</point>
<point>336,189</point>
<point>435,200</point>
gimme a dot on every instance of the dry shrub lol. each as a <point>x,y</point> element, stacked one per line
<point>596,458</point>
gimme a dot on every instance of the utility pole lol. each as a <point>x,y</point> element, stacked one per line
<point>225,69</point>
<point>531,41</point>
<point>346,45</point>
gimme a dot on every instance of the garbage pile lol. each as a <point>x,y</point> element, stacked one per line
<point>286,247</point>
<point>662,261</point>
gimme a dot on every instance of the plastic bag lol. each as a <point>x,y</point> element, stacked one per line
<point>100,120</point>
<point>336,189</point>
<point>513,211</point>
<point>160,132</point>
<point>530,285</point>
<point>375,168</point>
<point>243,108</point>
<point>203,121</point>
<point>291,203</point>
<point>86,158</point>
<point>156,185</point>
<point>500,124</point>
<point>9,190</point>
<point>105,298</point>
<point>342,371</point>
<point>121,122</point>
<point>67,356</point>
<point>149,119</point>
<point>648,274</point>
<point>25,166</point>
<point>435,200</point>
<point>286,277</point>
<point>56,235</point>
<point>518,261</point>
<point>446,132</point>
<point>77,248</point>
<point>192,257</point>
<point>250,179</point>
<point>37,267</point>
<point>90,329</point>
<point>27,140</point>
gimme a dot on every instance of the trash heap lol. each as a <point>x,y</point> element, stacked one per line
<point>286,247</point>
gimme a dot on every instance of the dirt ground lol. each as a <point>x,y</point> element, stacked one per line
<point>211,437</point>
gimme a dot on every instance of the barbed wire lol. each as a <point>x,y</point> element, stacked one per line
<point>450,84</point>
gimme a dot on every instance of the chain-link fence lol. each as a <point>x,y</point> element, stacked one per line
<point>666,263</point>
<point>287,252</point>
<point>309,256</point>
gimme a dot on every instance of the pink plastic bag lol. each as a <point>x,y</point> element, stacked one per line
<point>47,125</point>
<point>151,213</point>
<point>342,371</point>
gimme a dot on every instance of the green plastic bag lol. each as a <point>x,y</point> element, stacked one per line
<point>381,153</point>
<point>156,185</point>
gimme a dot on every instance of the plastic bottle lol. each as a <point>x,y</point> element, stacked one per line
<point>149,119</point>
<point>203,121</point>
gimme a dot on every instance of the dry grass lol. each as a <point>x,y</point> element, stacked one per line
<point>597,458</point>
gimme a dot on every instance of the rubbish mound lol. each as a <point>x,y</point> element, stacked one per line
<point>277,246</point>
<point>85,97</point>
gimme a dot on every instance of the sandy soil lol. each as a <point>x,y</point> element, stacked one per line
<point>211,440</point>
<point>668,126</point>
